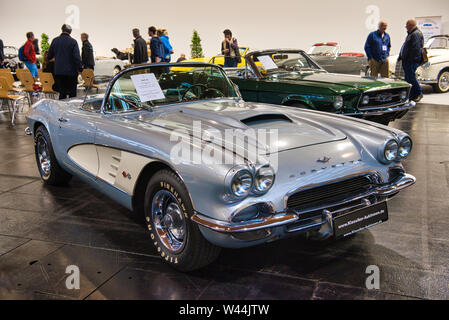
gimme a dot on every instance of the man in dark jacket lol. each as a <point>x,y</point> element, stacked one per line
<point>2,54</point>
<point>140,48</point>
<point>156,46</point>
<point>66,52</point>
<point>411,57</point>
<point>87,52</point>
<point>377,49</point>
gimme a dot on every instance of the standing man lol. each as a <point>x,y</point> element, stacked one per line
<point>140,48</point>
<point>37,50</point>
<point>230,50</point>
<point>377,49</point>
<point>30,55</point>
<point>87,52</point>
<point>67,66</point>
<point>2,54</point>
<point>182,57</point>
<point>156,46</point>
<point>411,57</point>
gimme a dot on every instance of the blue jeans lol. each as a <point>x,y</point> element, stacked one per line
<point>32,67</point>
<point>410,77</point>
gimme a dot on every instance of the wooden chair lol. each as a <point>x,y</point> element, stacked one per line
<point>4,95</point>
<point>88,77</point>
<point>27,80</point>
<point>6,73</point>
<point>47,82</point>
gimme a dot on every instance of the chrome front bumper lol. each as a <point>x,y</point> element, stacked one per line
<point>378,111</point>
<point>289,217</point>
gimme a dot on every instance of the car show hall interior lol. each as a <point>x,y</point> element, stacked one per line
<point>280,151</point>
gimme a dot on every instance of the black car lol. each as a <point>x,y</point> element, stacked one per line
<point>12,60</point>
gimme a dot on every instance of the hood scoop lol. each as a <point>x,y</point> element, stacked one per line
<point>264,119</point>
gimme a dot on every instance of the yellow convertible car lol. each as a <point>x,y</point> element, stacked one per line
<point>218,59</point>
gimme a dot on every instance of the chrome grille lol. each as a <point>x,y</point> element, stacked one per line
<point>329,193</point>
<point>383,98</point>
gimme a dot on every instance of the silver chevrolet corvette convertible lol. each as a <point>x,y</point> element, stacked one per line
<point>204,169</point>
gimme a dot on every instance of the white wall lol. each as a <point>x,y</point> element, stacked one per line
<point>258,24</point>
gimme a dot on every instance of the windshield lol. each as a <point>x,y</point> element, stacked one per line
<point>437,43</point>
<point>283,62</point>
<point>154,85</point>
<point>323,50</point>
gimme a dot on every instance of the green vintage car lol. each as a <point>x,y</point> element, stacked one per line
<point>290,77</point>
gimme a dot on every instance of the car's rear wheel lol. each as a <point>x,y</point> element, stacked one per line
<point>49,168</point>
<point>168,210</point>
<point>442,85</point>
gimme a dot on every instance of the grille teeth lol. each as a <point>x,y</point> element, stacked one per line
<point>329,193</point>
<point>382,98</point>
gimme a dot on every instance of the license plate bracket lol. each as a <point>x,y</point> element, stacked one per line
<point>360,219</point>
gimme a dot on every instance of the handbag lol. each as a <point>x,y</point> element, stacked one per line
<point>424,55</point>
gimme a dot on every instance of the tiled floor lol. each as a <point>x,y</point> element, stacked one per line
<point>44,229</point>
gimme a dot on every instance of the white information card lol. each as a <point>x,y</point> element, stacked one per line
<point>147,87</point>
<point>267,62</point>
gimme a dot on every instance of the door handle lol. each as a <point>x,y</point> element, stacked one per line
<point>62,119</point>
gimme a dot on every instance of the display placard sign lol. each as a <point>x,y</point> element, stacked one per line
<point>429,26</point>
<point>147,87</point>
<point>267,62</point>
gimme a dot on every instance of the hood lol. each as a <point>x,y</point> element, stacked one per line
<point>338,82</point>
<point>215,118</point>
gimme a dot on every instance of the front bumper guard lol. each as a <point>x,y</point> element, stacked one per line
<point>284,218</point>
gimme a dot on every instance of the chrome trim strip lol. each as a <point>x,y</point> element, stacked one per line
<point>284,218</point>
<point>381,110</point>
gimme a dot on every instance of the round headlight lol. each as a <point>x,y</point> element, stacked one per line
<point>338,102</point>
<point>391,150</point>
<point>405,147</point>
<point>241,183</point>
<point>264,179</point>
<point>365,100</point>
<point>404,95</point>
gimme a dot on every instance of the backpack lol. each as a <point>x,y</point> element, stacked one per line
<point>21,54</point>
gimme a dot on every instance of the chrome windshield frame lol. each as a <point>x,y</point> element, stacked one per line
<point>161,65</point>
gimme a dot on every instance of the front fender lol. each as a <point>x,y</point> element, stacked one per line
<point>295,98</point>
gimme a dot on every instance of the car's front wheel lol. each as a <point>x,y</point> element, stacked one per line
<point>49,168</point>
<point>442,85</point>
<point>168,210</point>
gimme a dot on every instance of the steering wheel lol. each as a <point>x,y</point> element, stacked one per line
<point>192,86</point>
<point>218,93</point>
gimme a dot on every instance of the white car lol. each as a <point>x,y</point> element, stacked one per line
<point>436,71</point>
<point>109,66</point>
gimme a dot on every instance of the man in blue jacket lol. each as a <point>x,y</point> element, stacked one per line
<point>156,46</point>
<point>377,49</point>
<point>66,52</point>
<point>411,57</point>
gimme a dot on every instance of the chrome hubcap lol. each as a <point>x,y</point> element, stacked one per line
<point>444,81</point>
<point>168,220</point>
<point>43,156</point>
